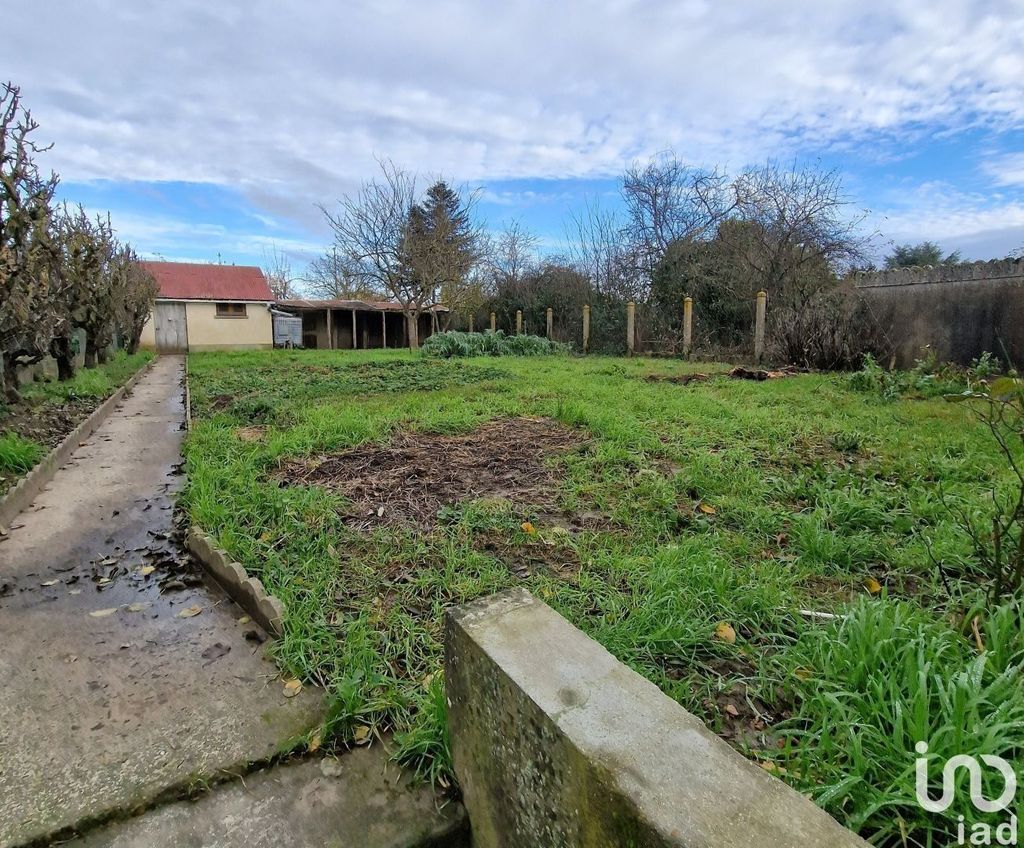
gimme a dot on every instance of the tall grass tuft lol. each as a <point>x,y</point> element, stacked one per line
<point>450,344</point>
<point>18,455</point>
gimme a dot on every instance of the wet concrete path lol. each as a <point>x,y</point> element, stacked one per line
<point>109,696</point>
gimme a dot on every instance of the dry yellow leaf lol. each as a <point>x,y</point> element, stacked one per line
<point>314,742</point>
<point>725,632</point>
<point>191,611</point>
<point>528,528</point>
<point>49,583</point>
<point>707,509</point>
<point>873,586</point>
<point>802,672</point>
<point>731,710</point>
<point>292,687</point>
<point>146,570</point>
<point>243,620</point>
<point>103,613</point>
<point>362,735</point>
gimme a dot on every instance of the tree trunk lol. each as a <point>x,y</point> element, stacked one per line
<point>412,322</point>
<point>64,354</point>
<point>10,380</point>
<point>90,352</point>
<point>103,354</point>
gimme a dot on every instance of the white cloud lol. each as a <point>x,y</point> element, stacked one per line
<point>978,225</point>
<point>1006,170</point>
<point>295,102</point>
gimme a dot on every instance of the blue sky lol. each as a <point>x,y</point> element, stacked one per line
<point>214,130</point>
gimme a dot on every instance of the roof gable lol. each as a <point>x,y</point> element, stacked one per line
<point>195,281</point>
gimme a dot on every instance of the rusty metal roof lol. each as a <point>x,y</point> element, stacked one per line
<point>201,281</point>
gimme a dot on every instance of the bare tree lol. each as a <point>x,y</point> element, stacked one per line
<point>512,254</point>
<point>277,268</point>
<point>599,249</point>
<point>668,201</point>
<point>799,230</point>
<point>26,250</point>
<point>370,232</point>
<point>136,292</point>
<point>333,277</point>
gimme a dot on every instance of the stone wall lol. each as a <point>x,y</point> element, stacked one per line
<point>958,311</point>
<point>557,743</point>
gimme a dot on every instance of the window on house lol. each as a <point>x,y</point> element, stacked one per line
<point>231,310</point>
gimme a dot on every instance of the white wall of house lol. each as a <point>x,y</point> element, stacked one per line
<point>209,331</point>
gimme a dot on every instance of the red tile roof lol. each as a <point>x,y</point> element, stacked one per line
<point>194,281</point>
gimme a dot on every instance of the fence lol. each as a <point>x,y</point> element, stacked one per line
<point>608,326</point>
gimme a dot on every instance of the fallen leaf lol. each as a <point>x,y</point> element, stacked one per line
<point>146,570</point>
<point>731,710</point>
<point>873,586</point>
<point>103,581</point>
<point>138,606</point>
<point>427,680</point>
<point>314,743</point>
<point>774,769</point>
<point>243,620</point>
<point>362,735</point>
<point>802,673</point>
<point>109,561</point>
<point>191,611</point>
<point>528,528</point>
<point>292,687</point>
<point>49,583</point>
<point>103,613</point>
<point>707,509</point>
<point>380,512</point>
<point>725,632</point>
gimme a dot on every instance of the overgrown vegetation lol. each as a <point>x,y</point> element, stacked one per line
<point>694,524</point>
<point>454,343</point>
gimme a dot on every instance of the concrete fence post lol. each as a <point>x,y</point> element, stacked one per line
<point>762,302</point>
<point>586,328</point>
<point>551,322</point>
<point>519,322</point>
<point>687,325</point>
<point>630,327</point>
<point>494,322</point>
<point>471,322</point>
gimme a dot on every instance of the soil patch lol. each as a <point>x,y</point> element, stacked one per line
<point>408,480</point>
<point>540,556</point>
<point>46,423</point>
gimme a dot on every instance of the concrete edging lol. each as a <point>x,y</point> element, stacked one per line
<point>25,490</point>
<point>248,592</point>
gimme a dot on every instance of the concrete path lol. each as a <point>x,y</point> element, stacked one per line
<point>109,698</point>
<point>357,801</point>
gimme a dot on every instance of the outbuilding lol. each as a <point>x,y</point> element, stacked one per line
<point>208,307</point>
<point>357,324</point>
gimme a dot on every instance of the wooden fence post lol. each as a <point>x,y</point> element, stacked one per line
<point>471,322</point>
<point>551,322</point>
<point>586,327</point>
<point>762,300</point>
<point>687,325</point>
<point>519,322</point>
<point>494,322</point>
<point>630,327</point>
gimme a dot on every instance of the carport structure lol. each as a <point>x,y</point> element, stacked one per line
<point>356,324</point>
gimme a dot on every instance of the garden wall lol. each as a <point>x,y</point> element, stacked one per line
<point>960,311</point>
<point>555,742</point>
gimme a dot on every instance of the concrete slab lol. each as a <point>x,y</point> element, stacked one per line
<point>358,801</point>
<point>108,697</point>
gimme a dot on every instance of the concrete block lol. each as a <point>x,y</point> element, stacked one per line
<point>555,742</point>
<point>271,612</point>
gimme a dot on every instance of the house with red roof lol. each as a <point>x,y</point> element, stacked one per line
<point>208,307</point>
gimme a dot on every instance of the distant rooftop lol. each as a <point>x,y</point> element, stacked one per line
<point>302,304</point>
<point>203,281</point>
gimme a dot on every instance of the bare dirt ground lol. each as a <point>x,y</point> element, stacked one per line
<point>406,481</point>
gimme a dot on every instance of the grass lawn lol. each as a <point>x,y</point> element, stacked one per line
<point>685,527</point>
<point>49,410</point>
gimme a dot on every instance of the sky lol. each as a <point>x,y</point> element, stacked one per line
<point>215,130</point>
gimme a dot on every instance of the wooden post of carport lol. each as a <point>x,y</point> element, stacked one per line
<point>330,329</point>
<point>384,328</point>
<point>355,338</point>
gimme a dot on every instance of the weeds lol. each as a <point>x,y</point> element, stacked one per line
<point>447,345</point>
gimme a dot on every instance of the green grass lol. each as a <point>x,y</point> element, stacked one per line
<point>95,382</point>
<point>18,455</point>
<point>816,490</point>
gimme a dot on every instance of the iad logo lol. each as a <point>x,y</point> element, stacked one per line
<point>981,832</point>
